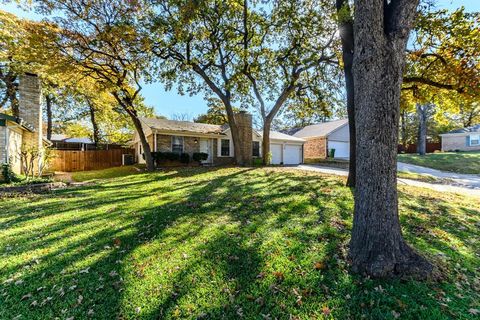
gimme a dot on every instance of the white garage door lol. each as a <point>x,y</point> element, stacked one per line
<point>276,150</point>
<point>292,154</point>
<point>342,149</point>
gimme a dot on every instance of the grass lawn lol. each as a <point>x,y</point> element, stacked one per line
<point>459,162</point>
<point>224,243</point>
<point>82,176</point>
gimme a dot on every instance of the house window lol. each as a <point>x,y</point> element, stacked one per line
<point>256,148</point>
<point>225,148</point>
<point>177,144</point>
<point>475,140</point>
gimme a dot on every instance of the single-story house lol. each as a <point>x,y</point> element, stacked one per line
<point>464,139</point>
<point>189,137</point>
<point>25,130</point>
<point>322,137</point>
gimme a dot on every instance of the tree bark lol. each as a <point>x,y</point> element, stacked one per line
<point>422,129</point>
<point>93,120</point>
<point>266,143</point>
<point>143,140</point>
<point>129,108</point>
<point>377,247</point>
<point>346,36</point>
<point>49,103</point>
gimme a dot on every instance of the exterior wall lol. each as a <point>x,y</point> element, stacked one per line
<point>15,139</point>
<point>3,147</point>
<point>342,134</point>
<point>457,142</point>
<point>217,159</point>
<point>315,149</point>
<point>164,144</point>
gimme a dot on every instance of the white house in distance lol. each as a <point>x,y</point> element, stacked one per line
<point>189,137</point>
<point>464,139</point>
<point>322,137</point>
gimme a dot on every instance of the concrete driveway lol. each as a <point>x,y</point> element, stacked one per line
<point>465,189</point>
<point>465,180</point>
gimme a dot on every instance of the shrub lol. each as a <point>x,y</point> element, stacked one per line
<point>257,162</point>
<point>159,156</point>
<point>184,158</point>
<point>269,158</point>
<point>199,156</point>
<point>8,175</point>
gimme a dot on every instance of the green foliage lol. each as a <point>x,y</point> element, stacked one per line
<point>214,243</point>
<point>459,162</point>
<point>184,158</point>
<point>170,156</point>
<point>199,156</point>
<point>257,162</point>
<point>215,114</point>
<point>7,173</point>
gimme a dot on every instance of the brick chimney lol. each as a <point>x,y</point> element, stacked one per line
<point>30,110</point>
<point>244,124</point>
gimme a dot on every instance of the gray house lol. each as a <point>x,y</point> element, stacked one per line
<point>464,139</point>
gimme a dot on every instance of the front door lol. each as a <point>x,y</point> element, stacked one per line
<point>206,147</point>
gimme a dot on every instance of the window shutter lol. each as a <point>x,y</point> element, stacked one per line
<point>468,141</point>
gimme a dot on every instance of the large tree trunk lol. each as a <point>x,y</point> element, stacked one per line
<point>346,35</point>
<point>237,151</point>
<point>377,247</point>
<point>266,143</point>
<point>143,140</point>
<point>93,120</point>
<point>422,129</point>
<point>49,103</point>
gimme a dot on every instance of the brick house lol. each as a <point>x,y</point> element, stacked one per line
<point>189,137</point>
<point>464,139</point>
<point>25,130</point>
<point>322,137</point>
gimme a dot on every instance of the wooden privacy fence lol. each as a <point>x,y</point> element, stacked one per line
<point>72,160</point>
<point>412,148</point>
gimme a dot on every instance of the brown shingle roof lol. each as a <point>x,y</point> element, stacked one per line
<point>181,126</point>
<point>320,129</point>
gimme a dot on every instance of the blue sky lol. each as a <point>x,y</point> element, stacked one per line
<point>168,103</point>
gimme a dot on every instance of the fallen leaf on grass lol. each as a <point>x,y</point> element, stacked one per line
<point>279,275</point>
<point>319,265</point>
<point>27,296</point>
<point>395,314</point>
<point>326,310</point>
<point>474,311</point>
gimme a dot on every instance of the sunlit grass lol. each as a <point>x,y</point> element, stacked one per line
<point>460,162</point>
<point>224,243</point>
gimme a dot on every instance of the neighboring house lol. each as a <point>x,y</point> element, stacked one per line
<point>25,130</point>
<point>322,137</point>
<point>465,139</point>
<point>215,140</point>
<point>63,142</point>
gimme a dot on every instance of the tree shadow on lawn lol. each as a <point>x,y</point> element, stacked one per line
<point>216,244</point>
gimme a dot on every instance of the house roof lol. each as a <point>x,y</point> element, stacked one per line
<point>321,129</point>
<point>64,138</point>
<point>472,129</point>
<point>19,121</point>
<point>58,137</point>
<point>282,136</point>
<point>182,126</point>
